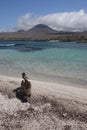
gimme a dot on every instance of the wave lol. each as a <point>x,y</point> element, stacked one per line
<point>7,45</point>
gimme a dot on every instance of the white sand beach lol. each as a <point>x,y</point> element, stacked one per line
<point>53,106</point>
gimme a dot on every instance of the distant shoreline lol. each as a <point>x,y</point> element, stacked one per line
<point>42,32</point>
<point>82,41</point>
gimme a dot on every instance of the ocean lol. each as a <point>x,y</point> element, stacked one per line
<point>62,62</point>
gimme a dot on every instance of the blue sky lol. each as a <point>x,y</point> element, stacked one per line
<point>22,14</point>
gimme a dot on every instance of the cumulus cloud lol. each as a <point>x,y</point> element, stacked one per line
<point>66,21</point>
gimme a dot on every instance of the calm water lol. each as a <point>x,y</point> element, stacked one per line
<point>53,61</point>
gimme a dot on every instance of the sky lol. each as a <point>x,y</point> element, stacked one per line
<point>65,15</point>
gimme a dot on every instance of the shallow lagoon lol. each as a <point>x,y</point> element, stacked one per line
<point>49,61</point>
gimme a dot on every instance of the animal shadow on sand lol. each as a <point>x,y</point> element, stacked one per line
<point>20,95</point>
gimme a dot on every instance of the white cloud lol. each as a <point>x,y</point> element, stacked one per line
<point>27,21</point>
<point>67,21</point>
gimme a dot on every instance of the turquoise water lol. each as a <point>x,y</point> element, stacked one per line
<point>51,61</point>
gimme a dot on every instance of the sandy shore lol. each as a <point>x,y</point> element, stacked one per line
<point>53,107</point>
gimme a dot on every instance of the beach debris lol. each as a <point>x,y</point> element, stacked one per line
<point>64,114</point>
